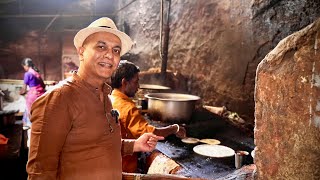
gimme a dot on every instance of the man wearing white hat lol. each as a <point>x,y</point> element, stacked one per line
<point>75,133</point>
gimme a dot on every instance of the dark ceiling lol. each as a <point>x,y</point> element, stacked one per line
<point>19,16</point>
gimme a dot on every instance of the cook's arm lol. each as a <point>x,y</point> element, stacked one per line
<point>26,78</point>
<point>136,124</point>
<point>166,131</point>
<point>23,90</point>
<point>50,126</point>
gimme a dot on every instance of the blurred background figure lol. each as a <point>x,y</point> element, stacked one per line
<point>33,80</point>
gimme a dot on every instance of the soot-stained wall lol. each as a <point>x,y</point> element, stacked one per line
<point>216,44</point>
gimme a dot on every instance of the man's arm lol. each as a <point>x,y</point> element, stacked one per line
<point>145,143</point>
<point>50,126</point>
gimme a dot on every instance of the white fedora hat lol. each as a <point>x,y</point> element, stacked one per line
<point>103,24</point>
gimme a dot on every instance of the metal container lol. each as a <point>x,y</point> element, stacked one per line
<point>1,100</point>
<point>143,102</point>
<point>240,158</point>
<point>7,118</point>
<point>145,89</point>
<point>171,107</point>
<point>153,87</point>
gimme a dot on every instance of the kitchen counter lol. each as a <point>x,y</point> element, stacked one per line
<point>11,150</point>
<point>198,166</point>
<point>13,156</point>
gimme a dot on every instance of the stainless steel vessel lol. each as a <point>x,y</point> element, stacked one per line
<point>171,107</point>
<point>153,87</point>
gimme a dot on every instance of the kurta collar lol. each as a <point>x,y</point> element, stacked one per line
<point>106,88</point>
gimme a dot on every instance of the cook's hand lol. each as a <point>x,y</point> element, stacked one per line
<point>22,92</point>
<point>182,132</point>
<point>146,143</point>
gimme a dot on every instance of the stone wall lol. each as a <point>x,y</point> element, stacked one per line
<point>287,109</point>
<point>215,44</point>
<point>210,44</point>
<point>274,20</point>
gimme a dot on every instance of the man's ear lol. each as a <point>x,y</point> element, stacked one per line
<point>124,82</point>
<point>80,52</point>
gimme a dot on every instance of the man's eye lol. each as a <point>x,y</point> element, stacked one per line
<point>101,47</point>
<point>117,51</point>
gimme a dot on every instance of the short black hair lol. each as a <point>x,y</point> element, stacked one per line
<point>126,70</point>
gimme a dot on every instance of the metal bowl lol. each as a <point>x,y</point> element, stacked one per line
<point>171,107</point>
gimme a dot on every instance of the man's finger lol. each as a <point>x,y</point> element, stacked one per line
<point>157,137</point>
<point>152,144</point>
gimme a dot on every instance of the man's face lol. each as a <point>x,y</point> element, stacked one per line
<point>132,86</point>
<point>100,55</point>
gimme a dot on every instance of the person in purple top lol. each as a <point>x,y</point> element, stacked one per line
<point>36,85</point>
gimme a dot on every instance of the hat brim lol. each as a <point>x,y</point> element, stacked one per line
<point>81,36</point>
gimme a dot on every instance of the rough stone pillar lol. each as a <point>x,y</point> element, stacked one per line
<point>287,108</point>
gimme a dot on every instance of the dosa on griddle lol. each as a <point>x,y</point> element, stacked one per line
<point>190,140</point>
<point>210,141</point>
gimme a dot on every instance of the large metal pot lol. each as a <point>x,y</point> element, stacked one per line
<point>153,87</point>
<point>171,107</point>
<point>148,88</point>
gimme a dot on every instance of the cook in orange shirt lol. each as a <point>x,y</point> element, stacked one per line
<point>125,84</point>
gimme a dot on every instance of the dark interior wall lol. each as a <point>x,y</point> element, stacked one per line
<point>39,29</point>
<point>216,44</point>
<point>43,48</point>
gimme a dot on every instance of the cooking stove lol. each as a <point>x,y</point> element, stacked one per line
<point>202,125</point>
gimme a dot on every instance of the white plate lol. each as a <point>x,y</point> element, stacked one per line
<point>217,151</point>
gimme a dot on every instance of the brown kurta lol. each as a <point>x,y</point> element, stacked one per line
<point>71,137</point>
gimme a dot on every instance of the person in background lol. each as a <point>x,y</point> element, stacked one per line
<point>75,134</point>
<point>125,84</point>
<point>36,85</point>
